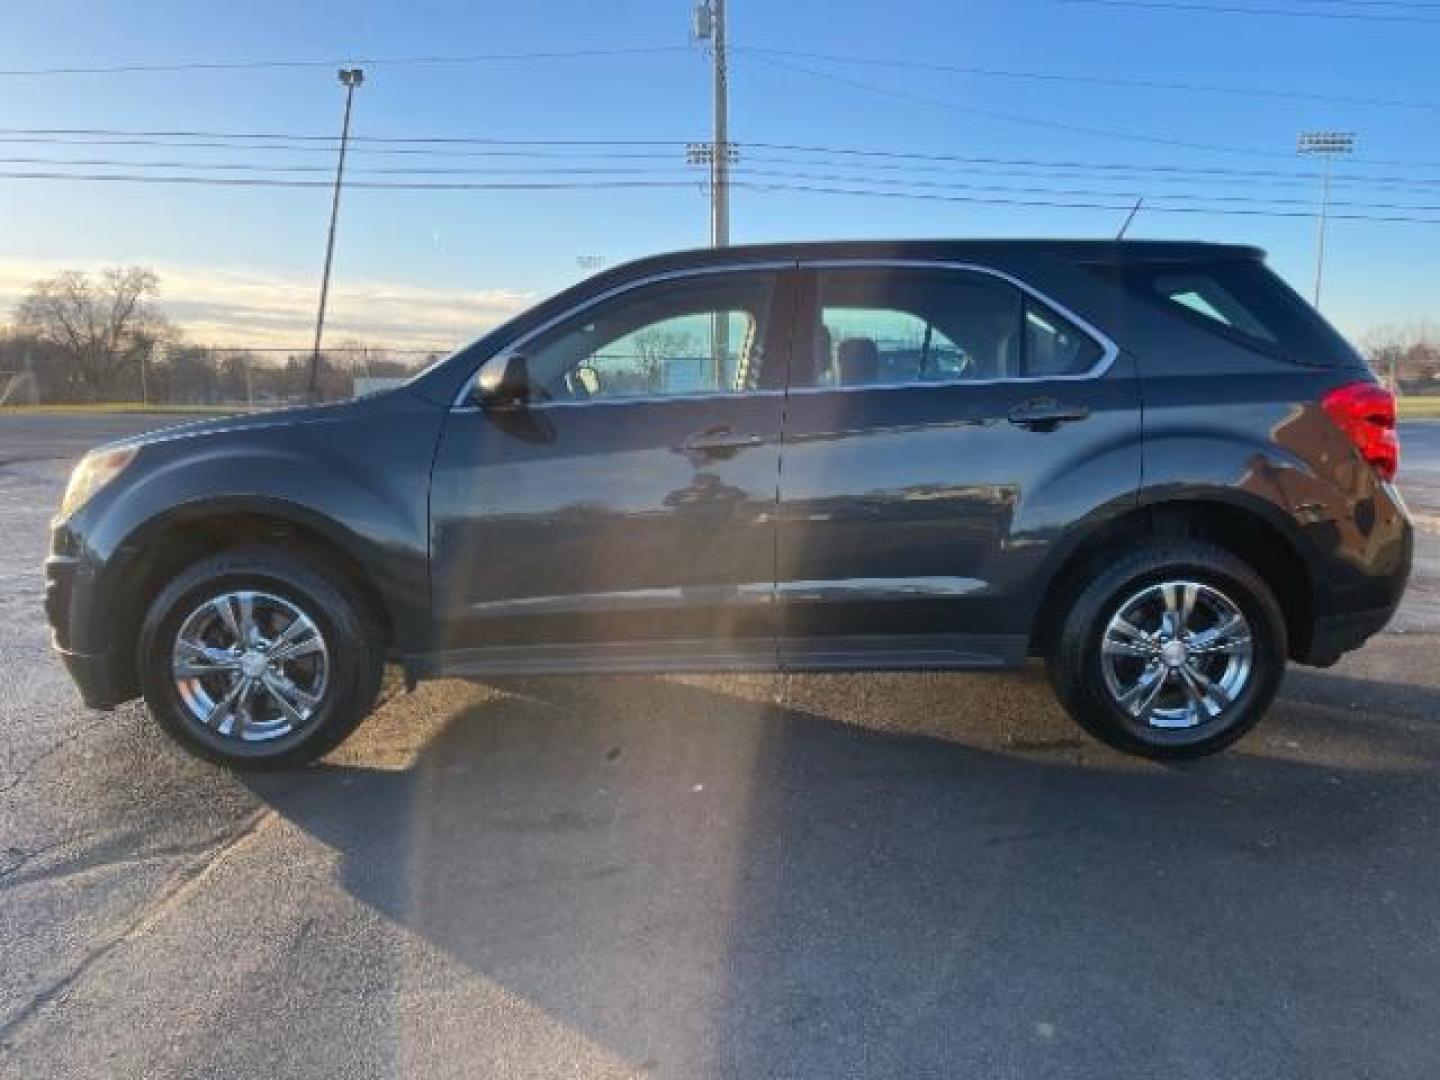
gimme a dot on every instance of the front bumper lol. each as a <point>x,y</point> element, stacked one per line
<point>67,609</point>
<point>60,573</point>
<point>95,678</point>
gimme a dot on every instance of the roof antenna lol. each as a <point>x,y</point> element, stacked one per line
<point>1131,217</point>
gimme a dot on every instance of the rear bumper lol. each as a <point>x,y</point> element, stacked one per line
<point>1331,636</point>
<point>1363,580</point>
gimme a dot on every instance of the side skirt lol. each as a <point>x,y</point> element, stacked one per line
<point>939,652</point>
<point>905,652</point>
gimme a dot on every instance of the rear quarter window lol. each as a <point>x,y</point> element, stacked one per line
<point>1243,301</point>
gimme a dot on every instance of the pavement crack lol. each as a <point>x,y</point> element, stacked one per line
<point>15,857</point>
<point>175,892</point>
<point>20,775</point>
<point>11,876</point>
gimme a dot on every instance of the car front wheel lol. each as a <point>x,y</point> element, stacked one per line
<point>255,659</point>
<point>1173,651</point>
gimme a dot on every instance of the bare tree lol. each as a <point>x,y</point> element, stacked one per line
<point>98,329</point>
<point>655,348</point>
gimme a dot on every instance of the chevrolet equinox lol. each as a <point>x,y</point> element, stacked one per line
<point>1150,463</point>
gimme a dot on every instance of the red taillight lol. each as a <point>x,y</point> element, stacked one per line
<point>1365,412</point>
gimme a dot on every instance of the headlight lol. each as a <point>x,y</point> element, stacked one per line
<point>93,473</point>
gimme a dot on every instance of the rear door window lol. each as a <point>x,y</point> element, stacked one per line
<point>1054,346</point>
<point>903,326</point>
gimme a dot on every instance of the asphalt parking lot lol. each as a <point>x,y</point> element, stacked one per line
<point>898,876</point>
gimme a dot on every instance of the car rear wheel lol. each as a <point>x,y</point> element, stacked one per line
<point>1174,651</point>
<point>256,659</point>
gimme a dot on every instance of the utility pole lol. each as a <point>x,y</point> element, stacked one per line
<point>1327,145</point>
<point>709,24</point>
<point>350,78</point>
<point>720,169</point>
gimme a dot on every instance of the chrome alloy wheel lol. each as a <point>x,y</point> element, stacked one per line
<point>250,666</point>
<point>1177,655</point>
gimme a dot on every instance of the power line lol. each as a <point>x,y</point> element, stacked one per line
<point>1237,9</point>
<point>1132,177</point>
<point>230,166</point>
<point>1012,118</point>
<point>1130,174</point>
<point>379,61</point>
<point>332,141</point>
<point>1093,80</point>
<point>839,185</point>
<point>1067,204</point>
<point>968,160</point>
<point>572,149</point>
<point>1057,125</point>
<point>306,148</point>
<point>222,181</point>
<point>589,147</point>
<point>1267,200</point>
<point>1423,5</point>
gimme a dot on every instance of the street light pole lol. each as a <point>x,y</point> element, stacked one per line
<point>1326,145</point>
<point>350,78</point>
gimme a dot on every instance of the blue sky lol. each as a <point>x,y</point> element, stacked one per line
<point>241,264</point>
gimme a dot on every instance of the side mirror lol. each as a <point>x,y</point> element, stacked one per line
<point>504,385</point>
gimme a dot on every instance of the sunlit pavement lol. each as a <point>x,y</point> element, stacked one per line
<point>745,876</point>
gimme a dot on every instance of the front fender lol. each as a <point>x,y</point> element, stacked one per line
<point>358,478</point>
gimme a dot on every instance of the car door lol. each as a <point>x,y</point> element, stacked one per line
<point>625,516</point>
<point>944,425</point>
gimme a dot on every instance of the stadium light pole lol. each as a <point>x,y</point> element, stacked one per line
<point>350,78</point>
<point>1327,145</point>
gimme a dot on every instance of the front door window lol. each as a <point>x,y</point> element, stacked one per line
<point>703,335</point>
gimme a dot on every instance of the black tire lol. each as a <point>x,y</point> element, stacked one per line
<point>354,657</point>
<point>1076,665</point>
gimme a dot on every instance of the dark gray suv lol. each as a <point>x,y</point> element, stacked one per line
<point>1151,464</point>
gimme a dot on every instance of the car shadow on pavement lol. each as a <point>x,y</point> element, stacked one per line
<point>713,883</point>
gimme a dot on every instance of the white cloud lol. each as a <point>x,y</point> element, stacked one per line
<point>223,306</point>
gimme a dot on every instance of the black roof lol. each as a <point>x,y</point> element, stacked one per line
<point>1079,251</point>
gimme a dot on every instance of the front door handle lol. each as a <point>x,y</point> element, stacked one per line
<point>718,442</point>
<point>1045,414</point>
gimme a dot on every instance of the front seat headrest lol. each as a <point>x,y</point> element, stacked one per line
<point>859,361</point>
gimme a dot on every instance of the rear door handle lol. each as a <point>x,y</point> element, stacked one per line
<point>1045,414</point>
<point>718,442</point>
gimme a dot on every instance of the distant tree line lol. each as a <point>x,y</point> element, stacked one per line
<point>1406,356</point>
<point>76,338</point>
